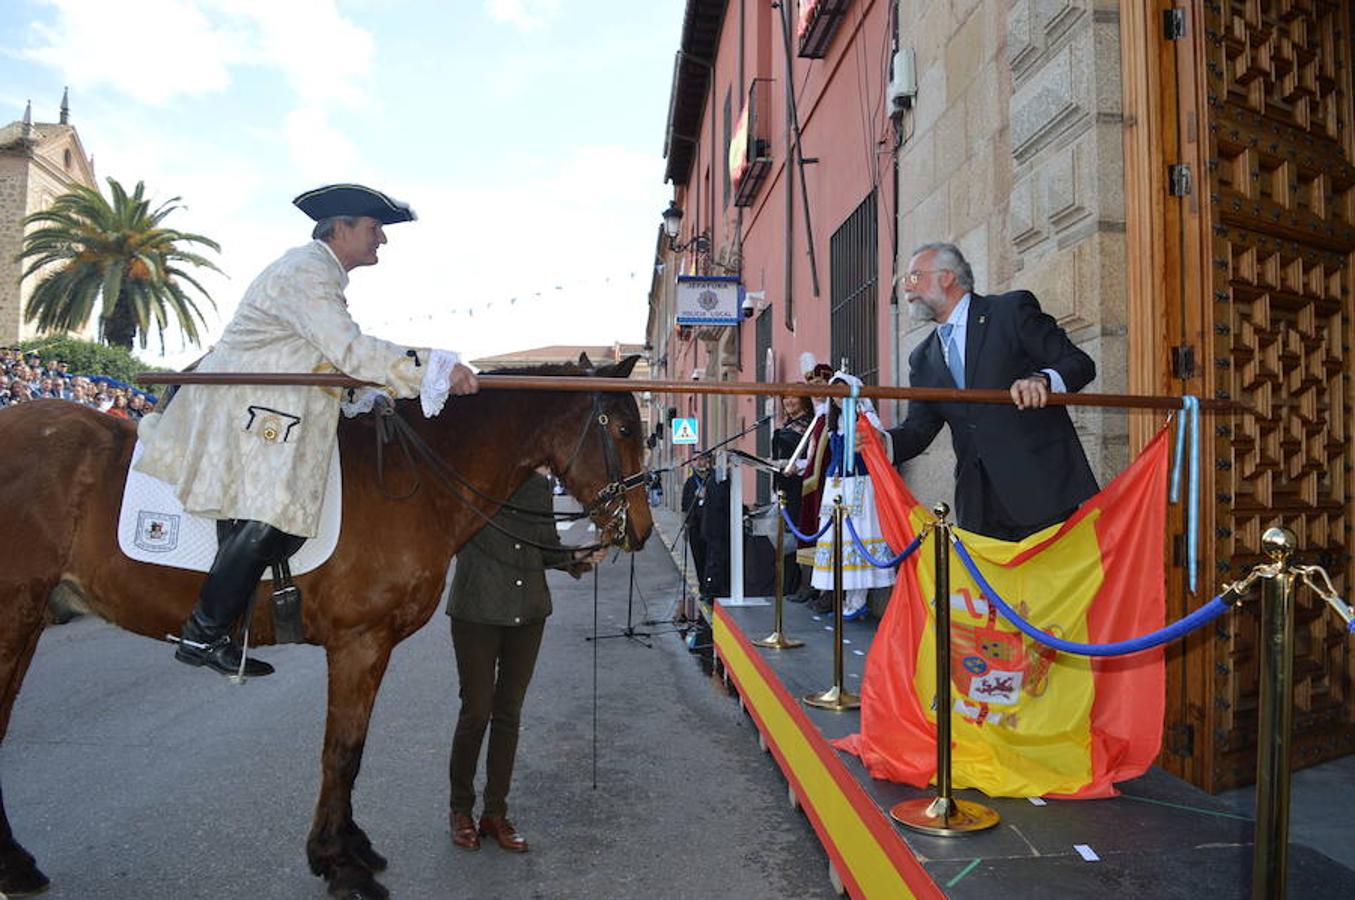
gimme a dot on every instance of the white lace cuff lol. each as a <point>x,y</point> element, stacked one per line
<point>437,380</point>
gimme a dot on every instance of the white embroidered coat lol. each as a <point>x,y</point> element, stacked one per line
<point>262,452</point>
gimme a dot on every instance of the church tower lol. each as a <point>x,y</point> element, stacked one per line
<point>39,161</point>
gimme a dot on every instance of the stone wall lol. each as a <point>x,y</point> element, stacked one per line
<point>13,201</point>
<point>44,186</point>
<point>1013,151</point>
<point>30,179</point>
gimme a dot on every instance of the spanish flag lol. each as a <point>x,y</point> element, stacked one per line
<point>1026,720</point>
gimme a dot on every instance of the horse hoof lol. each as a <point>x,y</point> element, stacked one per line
<point>370,858</point>
<point>358,894</point>
<point>355,842</point>
<point>356,884</point>
<point>23,882</point>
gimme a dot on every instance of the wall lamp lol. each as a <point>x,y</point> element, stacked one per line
<point>672,226</point>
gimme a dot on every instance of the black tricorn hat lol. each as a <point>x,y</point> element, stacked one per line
<point>353,200</point>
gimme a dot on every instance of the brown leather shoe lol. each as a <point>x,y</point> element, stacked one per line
<point>502,830</point>
<point>463,831</point>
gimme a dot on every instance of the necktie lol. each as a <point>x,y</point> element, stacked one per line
<point>953,360</point>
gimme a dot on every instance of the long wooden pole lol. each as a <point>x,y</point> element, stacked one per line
<point>627,385</point>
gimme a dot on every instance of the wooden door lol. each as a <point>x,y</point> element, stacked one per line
<point>1252,302</point>
<point>1282,230</point>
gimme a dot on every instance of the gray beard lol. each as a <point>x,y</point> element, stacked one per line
<point>918,311</point>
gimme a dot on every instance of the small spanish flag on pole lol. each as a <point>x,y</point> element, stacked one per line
<point>1027,720</point>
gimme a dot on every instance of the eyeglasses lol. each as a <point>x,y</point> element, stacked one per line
<point>912,278</point>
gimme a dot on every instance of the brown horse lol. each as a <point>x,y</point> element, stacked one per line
<point>64,468</point>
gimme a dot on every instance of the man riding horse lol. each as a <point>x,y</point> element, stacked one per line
<point>255,457</point>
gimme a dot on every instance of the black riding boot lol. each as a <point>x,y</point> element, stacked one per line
<point>245,548</point>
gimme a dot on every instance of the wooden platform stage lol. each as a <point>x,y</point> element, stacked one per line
<point>1162,838</point>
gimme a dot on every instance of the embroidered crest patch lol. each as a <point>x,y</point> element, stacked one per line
<point>157,532</point>
<point>273,425</point>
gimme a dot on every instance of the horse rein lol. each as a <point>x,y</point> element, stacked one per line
<point>610,500</point>
<point>390,426</point>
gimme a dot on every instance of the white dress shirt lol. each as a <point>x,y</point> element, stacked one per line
<point>959,318</point>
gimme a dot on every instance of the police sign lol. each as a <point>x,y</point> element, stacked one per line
<point>708,299</point>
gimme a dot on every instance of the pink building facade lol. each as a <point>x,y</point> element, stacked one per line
<point>814,244</point>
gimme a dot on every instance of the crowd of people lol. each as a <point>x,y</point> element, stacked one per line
<point>26,376</point>
<point>808,448</point>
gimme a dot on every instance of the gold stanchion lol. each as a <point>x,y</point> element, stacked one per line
<point>1275,709</point>
<point>777,640</point>
<point>1270,858</point>
<point>837,697</point>
<point>943,814</point>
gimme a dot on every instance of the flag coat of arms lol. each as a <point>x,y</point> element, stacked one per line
<point>1026,720</point>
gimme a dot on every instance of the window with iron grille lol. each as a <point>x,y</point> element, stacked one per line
<point>764,431</point>
<point>854,263</point>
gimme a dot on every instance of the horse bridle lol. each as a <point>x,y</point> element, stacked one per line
<point>610,499</point>
<point>609,503</point>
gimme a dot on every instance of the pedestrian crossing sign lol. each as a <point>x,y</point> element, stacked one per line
<point>684,431</point>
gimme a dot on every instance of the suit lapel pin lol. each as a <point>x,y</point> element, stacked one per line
<point>983,319</point>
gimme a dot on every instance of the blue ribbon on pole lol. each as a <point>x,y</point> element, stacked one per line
<point>1193,503</point>
<point>1188,432</point>
<point>1178,455</point>
<point>849,437</point>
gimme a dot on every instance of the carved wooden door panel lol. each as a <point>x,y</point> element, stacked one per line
<point>1279,220</point>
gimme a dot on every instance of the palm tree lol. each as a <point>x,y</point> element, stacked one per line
<point>116,252</point>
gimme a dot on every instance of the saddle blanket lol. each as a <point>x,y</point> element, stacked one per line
<point>153,527</point>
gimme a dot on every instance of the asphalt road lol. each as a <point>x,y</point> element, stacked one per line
<point>129,775</point>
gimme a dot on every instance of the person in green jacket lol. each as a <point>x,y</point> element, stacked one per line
<point>498,604</point>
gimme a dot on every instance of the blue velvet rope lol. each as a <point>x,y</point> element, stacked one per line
<point>880,564</point>
<point>1202,616</point>
<point>805,537</point>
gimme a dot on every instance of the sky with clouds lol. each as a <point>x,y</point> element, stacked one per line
<point>527,135</point>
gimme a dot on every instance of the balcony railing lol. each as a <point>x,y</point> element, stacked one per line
<point>750,157</point>
<point>819,21</point>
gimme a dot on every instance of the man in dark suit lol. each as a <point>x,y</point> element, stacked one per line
<point>1018,468</point>
<point>694,495</point>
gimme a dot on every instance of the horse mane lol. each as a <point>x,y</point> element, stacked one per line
<point>571,368</point>
<point>582,366</point>
<point>568,368</point>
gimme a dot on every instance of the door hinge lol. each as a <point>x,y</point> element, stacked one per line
<point>1183,362</point>
<point>1174,23</point>
<point>1178,180</point>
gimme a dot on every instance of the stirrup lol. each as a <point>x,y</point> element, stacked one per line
<point>220,656</point>
<point>196,645</point>
<point>205,650</point>
<point>239,676</point>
